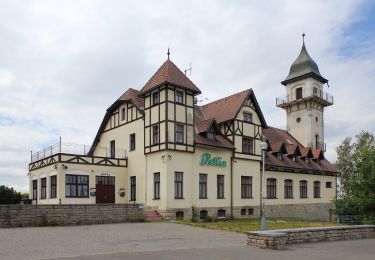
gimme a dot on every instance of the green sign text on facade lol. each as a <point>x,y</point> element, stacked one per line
<point>214,161</point>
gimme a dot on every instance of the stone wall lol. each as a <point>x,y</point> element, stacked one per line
<point>277,239</point>
<point>40,215</point>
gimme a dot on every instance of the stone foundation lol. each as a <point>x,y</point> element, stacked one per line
<point>47,215</point>
<point>277,239</point>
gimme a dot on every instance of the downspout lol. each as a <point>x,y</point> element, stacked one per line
<point>231,184</point>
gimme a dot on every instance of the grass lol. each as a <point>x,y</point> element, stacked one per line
<point>245,225</point>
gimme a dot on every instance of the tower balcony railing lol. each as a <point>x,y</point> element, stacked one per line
<point>76,149</point>
<point>322,95</point>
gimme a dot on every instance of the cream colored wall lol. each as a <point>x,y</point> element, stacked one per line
<point>136,159</point>
<point>120,174</point>
<point>326,194</point>
<point>251,168</point>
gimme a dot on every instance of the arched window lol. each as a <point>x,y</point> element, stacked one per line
<point>288,189</point>
<point>221,213</point>
<point>271,188</point>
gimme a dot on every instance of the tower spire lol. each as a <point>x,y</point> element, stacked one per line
<point>303,38</point>
<point>168,53</point>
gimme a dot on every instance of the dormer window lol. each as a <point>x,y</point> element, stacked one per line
<point>279,156</point>
<point>179,97</point>
<point>247,117</point>
<point>307,160</point>
<point>155,98</point>
<point>211,135</point>
<point>294,158</point>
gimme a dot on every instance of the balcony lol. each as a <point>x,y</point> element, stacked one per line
<point>76,154</point>
<point>319,96</point>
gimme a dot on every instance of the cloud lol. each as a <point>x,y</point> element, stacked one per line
<point>62,63</point>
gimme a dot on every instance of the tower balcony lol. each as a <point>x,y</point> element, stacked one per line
<point>321,97</point>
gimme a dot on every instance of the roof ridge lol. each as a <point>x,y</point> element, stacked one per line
<point>213,102</point>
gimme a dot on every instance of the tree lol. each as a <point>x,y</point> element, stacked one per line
<point>9,195</point>
<point>356,162</point>
<point>349,155</point>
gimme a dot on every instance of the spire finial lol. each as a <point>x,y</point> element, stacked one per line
<point>168,53</point>
<point>303,37</point>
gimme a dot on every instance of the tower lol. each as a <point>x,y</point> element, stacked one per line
<point>305,101</point>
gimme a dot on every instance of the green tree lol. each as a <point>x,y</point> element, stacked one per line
<point>9,195</point>
<point>349,155</point>
<point>356,162</point>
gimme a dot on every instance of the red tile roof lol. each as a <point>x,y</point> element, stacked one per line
<point>169,73</point>
<point>226,108</point>
<point>276,137</point>
<point>220,141</point>
<point>204,125</point>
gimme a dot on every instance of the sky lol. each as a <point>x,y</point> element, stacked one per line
<point>63,63</point>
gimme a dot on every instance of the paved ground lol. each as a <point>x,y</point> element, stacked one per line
<point>159,241</point>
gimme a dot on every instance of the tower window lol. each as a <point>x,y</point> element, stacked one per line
<point>248,145</point>
<point>316,119</point>
<point>179,133</point>
<point>123,114</point>
<point>179,98</point>
<point>298,93</point>
<point>298,119</point>
<point>155,134</point>
<point>155,98</point>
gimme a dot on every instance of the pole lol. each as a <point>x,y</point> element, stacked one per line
<point>263,220</point>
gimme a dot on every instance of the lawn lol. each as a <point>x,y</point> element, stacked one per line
<point>244,225</point>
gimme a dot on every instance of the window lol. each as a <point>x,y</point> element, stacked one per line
<point>243,212</point>
<point>248,145</point>
<point>288,189</point>
<point>298,93</point>
<point>179,133</point>
<point>246,187</point>
<point>203,214</point>
<point>220,186</point>
<point>271,188</point>
<point>155,98</point>
<point>303,189</point>
<point>280,156</point>
<point>317,142</point>
<point>250,211</point>
<point>155,134</point>
<point>123,114</point>
<point>43,188</point>
<point>112,149</point>
<point>35,189</point>
<point>315,91</point>
<point>202,186</point>
<point>105,180</point>
<point>221,213</point>
<point>53,185</point>
<point>157,185</point>
<point>133,188</point>
<point>132,142</point>
<point>76,185</point>
<point>247,117</point>
<point>316,189</point>
<point>179,98</point>
<point>211,135</point>
<point>179,215</point>
<point>178,185</point>
<point>328,184</point>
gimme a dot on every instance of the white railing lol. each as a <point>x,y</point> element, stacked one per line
<point>77,149</point>
<point>317,93</point>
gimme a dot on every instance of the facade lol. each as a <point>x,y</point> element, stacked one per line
<point>157,147</point>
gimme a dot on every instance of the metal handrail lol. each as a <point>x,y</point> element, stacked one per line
<point>77,149</point>
<point>320,94</point>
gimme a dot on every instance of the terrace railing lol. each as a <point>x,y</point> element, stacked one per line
<point>75,149</point>
<point>320,94</point>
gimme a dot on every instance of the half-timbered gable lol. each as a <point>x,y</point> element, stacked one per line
<point>241,121</point>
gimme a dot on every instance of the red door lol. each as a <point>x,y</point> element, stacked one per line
<point>105,189</point>
<point>105,193</point>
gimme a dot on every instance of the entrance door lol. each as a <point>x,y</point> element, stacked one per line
<point>105,189</point>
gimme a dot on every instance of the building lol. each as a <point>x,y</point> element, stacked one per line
<point>157,147</point>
